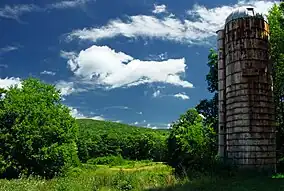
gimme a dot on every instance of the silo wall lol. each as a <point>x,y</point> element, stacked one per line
<point>250,128</point>
<point>221,94</point>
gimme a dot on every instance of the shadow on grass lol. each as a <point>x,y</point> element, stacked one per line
<point>237,183</point>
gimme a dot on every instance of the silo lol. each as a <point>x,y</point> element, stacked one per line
<point>250,139</point>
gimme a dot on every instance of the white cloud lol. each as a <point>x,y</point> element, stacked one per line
<point>78,115</point>
<point>68,4</point>
<point>14,12</point>
<point>158,126</point>
<point>157,93</point>
<point>48,73</point>
<point>8,82</point>
<point>103,66</point>
<point>140,113</point>
<point>159,9</point>
<point>71,56</point>
<point>66,88</point>
<point>116,107</point>
<point>202,24</point>
<point>8,49</point>
<point>100,118</point>
<point>181,96</point>
<point>136,123</point>
<point>75,113</point>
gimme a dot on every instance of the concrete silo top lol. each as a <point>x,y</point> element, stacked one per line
<point>242,12</point>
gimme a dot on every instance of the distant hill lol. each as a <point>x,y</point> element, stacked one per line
<point>108,126</point>
<point>105,138</point>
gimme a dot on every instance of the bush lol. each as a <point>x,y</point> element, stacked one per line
<point>108,160</point>
<point>37,133</point>
<point>189,144</point>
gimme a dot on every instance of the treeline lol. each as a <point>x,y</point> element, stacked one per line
<point>103,138</point>
<point>38,136</point>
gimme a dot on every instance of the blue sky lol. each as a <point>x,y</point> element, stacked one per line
<point>139,62</point>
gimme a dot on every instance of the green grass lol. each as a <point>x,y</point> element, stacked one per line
<point>236,183</point>
<point>142,176</point>
<point>91,178</point>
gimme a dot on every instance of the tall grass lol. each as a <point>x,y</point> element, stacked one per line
<point>90,178</point>
<point>142,176</point>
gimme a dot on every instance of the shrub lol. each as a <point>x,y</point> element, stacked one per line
<point>37,133</point>
<point>108,160</point>
<point>189,144</point>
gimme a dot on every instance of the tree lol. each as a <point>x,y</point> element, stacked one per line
<point>189,143</point>
<point>37,132</point>
<point>209,107</point>
<point>276,22</point>
<point>212,76</point>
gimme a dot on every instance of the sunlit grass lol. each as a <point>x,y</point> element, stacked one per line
<point>139,177</point>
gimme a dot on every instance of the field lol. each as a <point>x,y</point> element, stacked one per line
<point>141,176</point>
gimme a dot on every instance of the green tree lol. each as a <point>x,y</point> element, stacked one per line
<point>189,143</point>
<point>37,133</point>
<point>212,76</point>
<point>276,22</point>
<point>209,107</point>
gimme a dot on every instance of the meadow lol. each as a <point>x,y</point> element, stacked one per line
<point>139,176</point>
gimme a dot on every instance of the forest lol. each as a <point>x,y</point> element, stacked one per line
<point>42,147</point>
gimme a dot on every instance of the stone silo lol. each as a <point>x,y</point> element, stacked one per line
<point>246,111</point>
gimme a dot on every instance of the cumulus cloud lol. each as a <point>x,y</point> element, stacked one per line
<point>104,66</point>
<point>201,24</point>
<point>159,9</point>
<point>8,82</point>
<point>181,96</point>
<point>48,73</point>
<point>78,115</point>
<point>66,88</point>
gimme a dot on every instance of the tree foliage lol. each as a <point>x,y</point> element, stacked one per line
<point>209,107</point>
<point>276,22</point>
<point>212,76</point>
<point>189,143</point>
<point>37,133</point>
<point>103,138</point>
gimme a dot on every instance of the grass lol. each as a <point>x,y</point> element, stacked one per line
<point>142,176</point>
<point>101,177</point>
<point>237,183</point>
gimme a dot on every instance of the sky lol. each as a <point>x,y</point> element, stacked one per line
<point>139,62</point>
